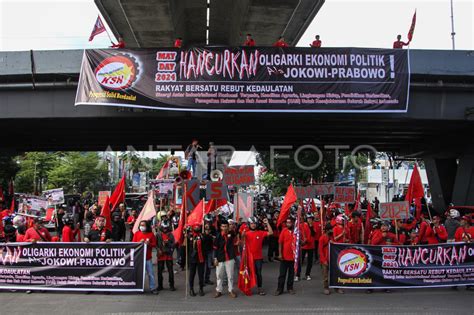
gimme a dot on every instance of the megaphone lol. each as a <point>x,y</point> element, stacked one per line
<point>216,175</point>
<point>185,175</point>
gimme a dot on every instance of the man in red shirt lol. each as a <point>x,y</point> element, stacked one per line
<point>324,241</point>
<point>307,246</point>
<point>165,243</point>
<point>145,235</point>
<point>37,232</point>
<point>437,232</point>
<point>249,42</point>
<point>464,233</point>
<point>254,240</point>
<point>287,256</point>
<point>315,222</point>
<point>316,43</point>
<point>384,236</point>
<point>356,229</point>
<point>399,44</point>
<point>280,42</point>
<point>120,44</point>
<point>178,43</point>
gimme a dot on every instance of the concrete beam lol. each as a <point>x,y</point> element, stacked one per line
<point>463,193</point>
<point>441,176</point>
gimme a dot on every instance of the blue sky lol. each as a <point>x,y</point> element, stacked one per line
<point>67,24</point>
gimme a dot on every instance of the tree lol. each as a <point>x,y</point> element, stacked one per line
<point>34,168</point>
<point>78,172</point>
<point>158,164</point>
<point>8,169</point>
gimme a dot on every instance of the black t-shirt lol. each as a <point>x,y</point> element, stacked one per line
<point>99,235</point>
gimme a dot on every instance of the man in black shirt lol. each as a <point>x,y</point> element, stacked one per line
<point>224,258</point>
<point>99,233</point>
<point>191,156</point>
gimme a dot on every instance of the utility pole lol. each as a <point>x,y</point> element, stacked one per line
<point>453,33</point>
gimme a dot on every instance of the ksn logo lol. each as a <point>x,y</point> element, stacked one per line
<point>116,73</point>
<point>352,262</point>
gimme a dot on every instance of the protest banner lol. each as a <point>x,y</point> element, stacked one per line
<point>344,194</point>
<point>394,210</point>
<point>162,186</point>
<point>242,175</point>
<point>118,267</point>
<point>54,196</point>
<point>216,190</point>
<point>102,196</point>
<point>243,205</point>
<point>247,79</point>
<point>357,266</point>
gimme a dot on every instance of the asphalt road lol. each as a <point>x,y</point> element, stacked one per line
<point>308,300</point>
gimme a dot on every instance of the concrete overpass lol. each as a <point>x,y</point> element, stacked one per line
<point>156,23</point>
<point>37,91</point>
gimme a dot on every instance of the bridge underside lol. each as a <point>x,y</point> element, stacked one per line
<point>156,23</point>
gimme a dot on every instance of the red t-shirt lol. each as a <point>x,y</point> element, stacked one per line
<point>399,44</point>
<point>32,234</point>
<point>139,236</point>
<point>354,232</point>
<point>316,44</point>
<point>339,230</point>
<point>280,43</point>
<point>323,249</point>
<point>317,230</point>
<point>254,241</point>
<point>249,43</point>
<point>178,43</point>
<point>68,234</point>
<point>379,239</point>
<point>460,232</point>
<point>20,237</point>
<point>306,236</point>
<point>287,239</point>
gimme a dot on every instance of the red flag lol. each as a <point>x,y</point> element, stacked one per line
<point>412,27</point>
<point>98,28</point>
<point>347,211</point>
<point>322,214</point>
<point>197,215</point>
<point>215,204</point>
<point>105,212</point>
<point>357,203</point>
<point>148,212</point>
<point>368,226</point>
<point>164,172</point>
<point>247,277</point>
<point>178,232</point>
<point>415,190</point>
<point>118,196</point>
<point>290,199</point>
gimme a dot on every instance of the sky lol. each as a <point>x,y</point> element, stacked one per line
<point>67,24</point>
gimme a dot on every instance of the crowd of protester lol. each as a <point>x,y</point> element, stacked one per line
<point>218,242</point>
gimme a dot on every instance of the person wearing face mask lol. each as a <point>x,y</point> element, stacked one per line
<point>99,233</point>
<point>196,259</point>
<point>145,235</point>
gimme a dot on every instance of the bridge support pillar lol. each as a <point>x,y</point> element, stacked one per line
<point>463,192</point>
<point>441,175</point>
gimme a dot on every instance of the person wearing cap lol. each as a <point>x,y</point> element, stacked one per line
<point>324,241</point>
<point>145,235</point>
<point>356,229</point>
<point>69,233</point>
<point>465,233</point>
<point>438,232</point>
<point>384,236</point>
<point>249,41</point>
<point>253,239</point>
<point>99,233</point>
<point>196,256</point>
<point>287,257</point>
<point>37,233</point>
<point>224,258</point>
<point>165,244</point>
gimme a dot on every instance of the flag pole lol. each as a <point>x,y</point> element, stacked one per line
<point>203,213</point>
<point>186,239</point>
